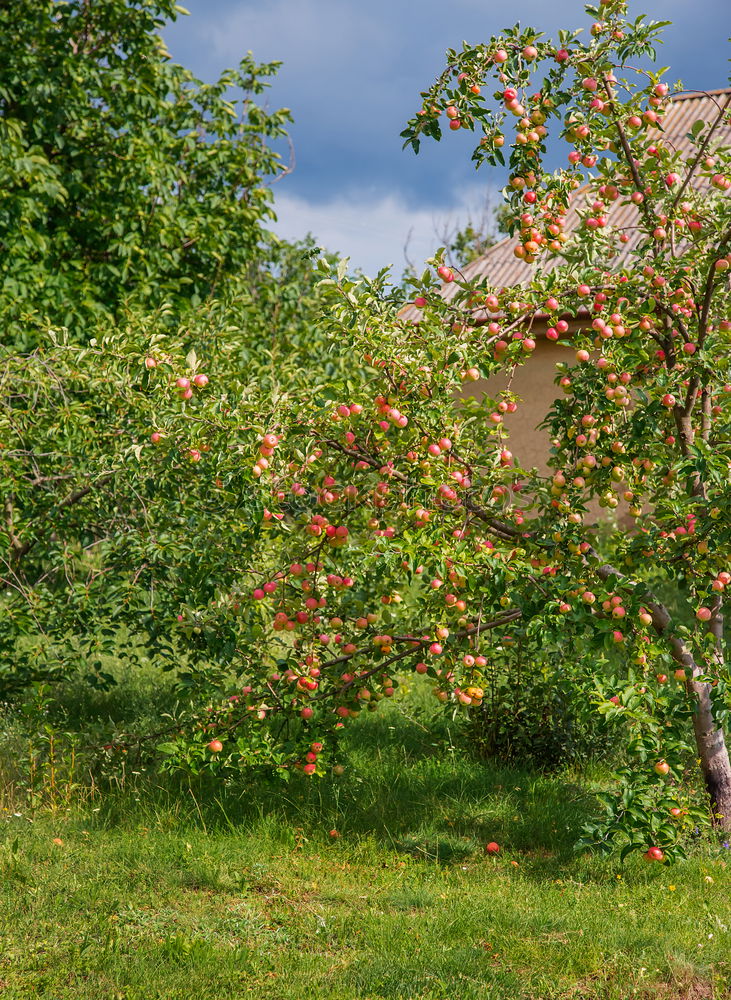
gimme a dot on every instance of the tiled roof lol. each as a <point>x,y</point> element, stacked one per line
<point>502,268</point>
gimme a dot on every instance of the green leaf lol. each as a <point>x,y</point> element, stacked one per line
<point>628,848</point>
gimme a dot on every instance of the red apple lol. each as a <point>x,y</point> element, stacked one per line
<point>654,854</point>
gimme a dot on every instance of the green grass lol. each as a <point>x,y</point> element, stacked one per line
<point>194,891</point>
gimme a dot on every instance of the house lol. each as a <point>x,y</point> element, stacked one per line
<point>534,382</point>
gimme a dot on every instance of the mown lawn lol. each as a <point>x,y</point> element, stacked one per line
<point>159,894</point>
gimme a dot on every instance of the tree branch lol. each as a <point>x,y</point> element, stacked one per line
<point>701,150</point>
<point>661,618</point>
<point>20,549</point>
<point>708,294</point>
<point>626,148</point>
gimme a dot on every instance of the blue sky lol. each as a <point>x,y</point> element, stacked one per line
<point>352,71</point>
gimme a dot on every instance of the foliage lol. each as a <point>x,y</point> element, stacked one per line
<point>294,534</point>
<point>151,320</point>
<point>414,537</point>
<point>125,181</point>
<point>112,521</point>
<point>539,707</point>
<point>148,314</point>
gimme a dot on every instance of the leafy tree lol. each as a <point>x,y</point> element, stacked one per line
<point>125,181</point>
<point>125,498</point>
<point>132,223</point>
<point>415,536</point>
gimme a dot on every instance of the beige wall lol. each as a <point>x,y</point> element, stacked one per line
<point>533,384</point>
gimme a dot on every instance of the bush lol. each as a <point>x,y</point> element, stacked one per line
<point>540,712</point>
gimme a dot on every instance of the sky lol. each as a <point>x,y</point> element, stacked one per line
<point>351,75</point>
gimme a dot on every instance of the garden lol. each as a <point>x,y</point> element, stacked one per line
<point>309,686</point>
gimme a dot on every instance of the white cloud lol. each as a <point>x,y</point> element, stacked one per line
<point>372,229</point>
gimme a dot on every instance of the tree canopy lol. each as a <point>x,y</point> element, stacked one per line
<point>125,181</point>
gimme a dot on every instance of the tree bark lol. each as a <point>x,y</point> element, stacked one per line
<point>710,739</point>
<point>712,749</point>
<point>713,755</point>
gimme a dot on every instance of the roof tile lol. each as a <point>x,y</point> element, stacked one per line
<point>502,268</point>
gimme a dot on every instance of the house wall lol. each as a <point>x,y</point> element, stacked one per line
<point>534,384</point>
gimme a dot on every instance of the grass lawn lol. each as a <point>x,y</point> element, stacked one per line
<point>211,893</point>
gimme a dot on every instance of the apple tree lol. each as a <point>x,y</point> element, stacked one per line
<point>126,494</point>
<point>414,537</point>
<point>148,317</point>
